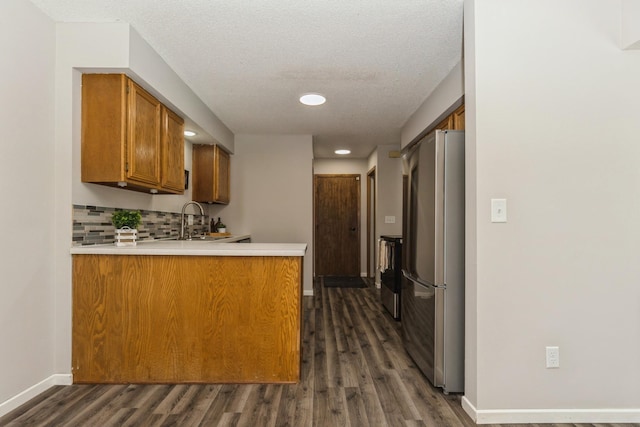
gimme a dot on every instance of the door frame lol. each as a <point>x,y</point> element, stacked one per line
<point>371,222</point>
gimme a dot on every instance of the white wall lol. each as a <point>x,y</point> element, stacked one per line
<point>117,47</point>
<point>630,24</point>
<point>553,119</point>
<point>350,166</point>
<point>470,268</point>
<point>27,41</point>
<point>112,47</point>
<point>441,102</point>
<point>272,192</point>
<point>388,189</point>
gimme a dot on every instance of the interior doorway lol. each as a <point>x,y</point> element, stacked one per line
<point>371,223</point>
<point>336,201</point>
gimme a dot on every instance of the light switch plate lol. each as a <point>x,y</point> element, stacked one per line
<point>389,219</point>
<point>498,210</point>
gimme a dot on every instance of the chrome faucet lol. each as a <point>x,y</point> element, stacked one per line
<point>183,223</point>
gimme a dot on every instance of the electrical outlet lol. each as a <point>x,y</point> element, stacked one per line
<point>553,357</point>
<point>190,219</point>
<point>389,219</point>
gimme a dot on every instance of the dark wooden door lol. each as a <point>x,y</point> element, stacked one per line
<point>337,225</point>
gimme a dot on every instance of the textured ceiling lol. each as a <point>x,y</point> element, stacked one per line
<point>249,60</point>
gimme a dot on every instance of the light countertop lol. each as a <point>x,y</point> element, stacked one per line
<point>197,248</point>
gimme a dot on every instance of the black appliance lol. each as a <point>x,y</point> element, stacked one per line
<point>390,266</point>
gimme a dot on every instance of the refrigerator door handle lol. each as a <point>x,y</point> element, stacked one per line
<point>419,281</point>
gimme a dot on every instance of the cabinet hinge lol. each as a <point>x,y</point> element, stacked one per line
<point>126,167</point>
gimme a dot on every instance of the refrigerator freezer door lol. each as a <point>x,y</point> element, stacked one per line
<point>425,230</point>
<point>423,327</point>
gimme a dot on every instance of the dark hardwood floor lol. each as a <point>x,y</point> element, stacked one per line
<point>355,372</point>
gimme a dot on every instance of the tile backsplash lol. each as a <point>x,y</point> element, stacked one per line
<point>92,225</point>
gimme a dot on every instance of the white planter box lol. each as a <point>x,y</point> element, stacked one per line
<point>126,236</point>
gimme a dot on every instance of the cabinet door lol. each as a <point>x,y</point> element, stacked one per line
<point>202,173</point>
<point>222,172</point>
<point>143,142</point>
<point>104,127</point>
<point>172,144</point>
<point>211,167</point>
<point>458,118</point>
<point>446,124</point>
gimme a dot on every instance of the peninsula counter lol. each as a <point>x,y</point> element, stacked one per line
<point>187,312</point>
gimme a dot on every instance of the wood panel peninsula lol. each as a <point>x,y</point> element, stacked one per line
<point>187,312</point>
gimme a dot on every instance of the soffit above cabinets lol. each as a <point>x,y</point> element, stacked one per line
<point>376,61</point>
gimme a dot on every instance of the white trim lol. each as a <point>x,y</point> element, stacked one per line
<point>28,394</point>
<point>307,293</point>
<point>537,416</point>
<point>469,408</point>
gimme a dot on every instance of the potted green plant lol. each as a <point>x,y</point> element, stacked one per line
<point>222,228</point>
<point>126,223</point>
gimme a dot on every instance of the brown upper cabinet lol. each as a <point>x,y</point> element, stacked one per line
<point>458,118</point>
<point>446,124</point>
<point>211,168</point>
<point>454,121</point>
<point>129,139</point>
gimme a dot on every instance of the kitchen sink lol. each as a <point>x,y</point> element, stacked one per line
<point>203,238</point>
<point>207,238</point>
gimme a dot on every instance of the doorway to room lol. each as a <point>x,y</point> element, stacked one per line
<point>336,201</point>
<point>371,223</point>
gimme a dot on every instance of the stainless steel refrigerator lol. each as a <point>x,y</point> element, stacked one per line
<point>432,295</point>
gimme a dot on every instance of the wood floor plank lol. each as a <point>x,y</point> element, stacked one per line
<point>239,397</point>
<point>194,404</point>
<point>173,398</point>
<point>406,404</point>
<point>261,406</point>
<point>320,389</point>
<point>218,407</point>
<point>355,407</point>
<point>349,355</point>
<point>434,409</point>
<point>119,417</point>
<point>332,361</point>
<point>354,372</point>
<point>229,419</point>
<point>38,411</point>
<point>80,405</point>
<point>147,404</point>
<point>296,401</point>
<point>104,407</point>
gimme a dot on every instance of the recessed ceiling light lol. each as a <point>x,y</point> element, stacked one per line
<point>189,133</point>
<point>313,99</point>
<point>342,151</point>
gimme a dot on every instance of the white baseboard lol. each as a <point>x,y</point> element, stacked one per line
<point>28,394</point>
<point>307,293</point>
<point>541,416</point>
